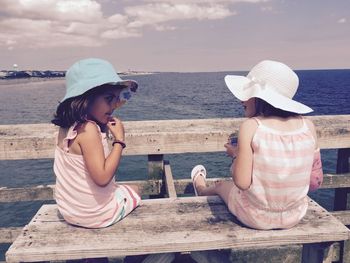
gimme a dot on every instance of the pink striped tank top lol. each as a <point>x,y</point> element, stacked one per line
<point>282,162</point>
<point>80,201</point>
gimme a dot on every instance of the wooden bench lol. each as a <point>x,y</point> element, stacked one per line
<point>173,229</point>
<point>166,225</point>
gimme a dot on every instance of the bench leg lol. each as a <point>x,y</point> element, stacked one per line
<point>345,251</point>
<point>159,258</point>
<point>316,253</point>
<point>89,260</point>
<point>211,256</point>
<point>151,258</point>
<point>280,254</point>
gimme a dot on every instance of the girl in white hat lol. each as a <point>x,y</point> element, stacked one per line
<point>277,160</point>
<point>86,192</point>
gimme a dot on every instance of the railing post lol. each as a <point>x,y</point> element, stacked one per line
<point>156,169</point>
<point>341,200</point>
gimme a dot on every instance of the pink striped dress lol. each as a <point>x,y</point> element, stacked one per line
<point>282,162</point>
<point>82,202</point>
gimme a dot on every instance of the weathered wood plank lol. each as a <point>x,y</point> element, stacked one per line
<point>281,254</point>
<point>342,216</point>
<point>345,251</point>
<point>341,198</point>
<point>30,193</point>
<point>169,181</point>
<point>9,234</point>
<point>45,192</point>
<point>31,141</point>
<point>150,187</point>
<point>161,226</point>
<point>184,186</point>
<point>336,181</point>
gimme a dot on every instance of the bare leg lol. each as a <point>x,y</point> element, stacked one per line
<point>221,188</point>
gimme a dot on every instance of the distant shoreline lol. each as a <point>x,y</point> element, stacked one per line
<point>50,74</point>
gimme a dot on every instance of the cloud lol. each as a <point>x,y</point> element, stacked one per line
<point>62,10</point>
<point>65,23</point>
<point>120,33</point>
<point>342,20</point>
<point>42,34</point>
<point>154,14</point>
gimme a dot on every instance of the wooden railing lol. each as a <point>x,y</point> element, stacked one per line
<point>156,138</point>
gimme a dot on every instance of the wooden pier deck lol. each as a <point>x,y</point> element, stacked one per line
<point>156,138</point>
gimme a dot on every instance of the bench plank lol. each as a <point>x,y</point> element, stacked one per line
<point>164,225</point>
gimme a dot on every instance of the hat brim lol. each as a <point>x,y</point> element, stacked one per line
<point>133,85</point>
<point>237,86</point>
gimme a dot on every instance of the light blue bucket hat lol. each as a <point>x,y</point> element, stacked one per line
<point>89,73</point>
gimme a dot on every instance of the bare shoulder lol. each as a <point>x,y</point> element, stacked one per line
<point>249,124</point>
<point>310,125</point>
<point>312,128</point>
<point>248,127</point>
<point>88,126</point>
<point>87,130</point>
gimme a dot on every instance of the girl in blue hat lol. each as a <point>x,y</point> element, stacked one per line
<point>86,192</point>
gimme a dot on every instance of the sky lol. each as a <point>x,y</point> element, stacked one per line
<point>175,35</point>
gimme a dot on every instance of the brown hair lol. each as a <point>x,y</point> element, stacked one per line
<point>76,109</point>
<point>262,108</point>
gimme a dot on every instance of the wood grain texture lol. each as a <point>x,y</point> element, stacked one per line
<point>164,225</point>
<point>169,181</point>
<point>30,141</point>
<point>9,234</point>
<point>46,192</point>
<point>149,187</point>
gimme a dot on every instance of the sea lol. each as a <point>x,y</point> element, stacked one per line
<point>161,96</point>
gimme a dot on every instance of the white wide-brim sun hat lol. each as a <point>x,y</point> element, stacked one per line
<point>271,81</point>
<point>89,73</point>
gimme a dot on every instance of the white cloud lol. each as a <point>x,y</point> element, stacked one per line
<point>120,33</point>
<point>165,28</point>
<point>64,10</point>
<point>153,14</point>
<point>41,34</point>
<point>77,28</point>
<point>342,20</point>
<point>53,23</point>
<point>118,19</point>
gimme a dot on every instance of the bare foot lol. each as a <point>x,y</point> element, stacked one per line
<point>200,183</point>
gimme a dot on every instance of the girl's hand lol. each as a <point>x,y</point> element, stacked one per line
<point>116,127</point>
<point>231,150</point>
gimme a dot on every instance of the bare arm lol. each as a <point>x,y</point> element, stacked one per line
<point>101,168</point>
<point>243,165</point>
<point>312,128</point>
<point>316,176</point>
